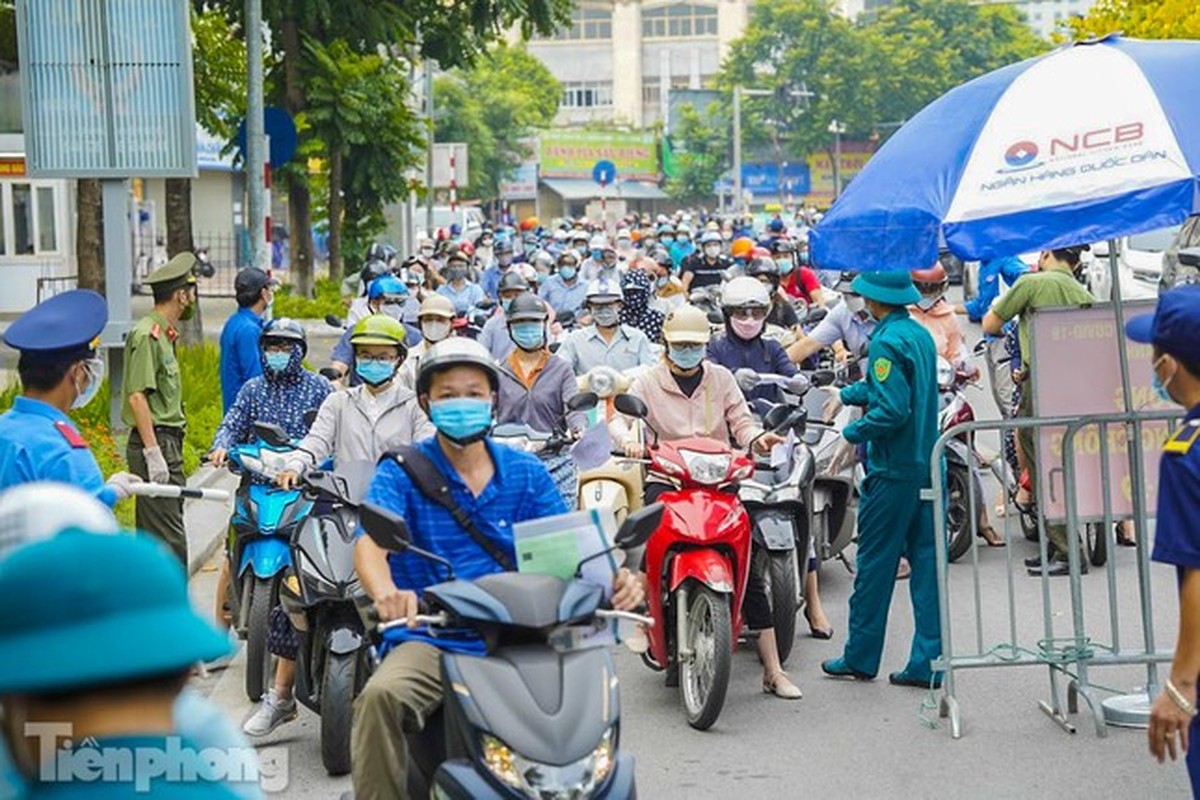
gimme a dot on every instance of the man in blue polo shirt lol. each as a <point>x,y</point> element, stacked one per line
<point>1174,331</point>
<point>498,487</point>
<point>239,338</point>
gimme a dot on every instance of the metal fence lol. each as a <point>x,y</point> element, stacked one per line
<point>1068,654</point>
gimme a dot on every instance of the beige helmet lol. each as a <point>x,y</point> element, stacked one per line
<point>686,325</point>
<point>436,305</point>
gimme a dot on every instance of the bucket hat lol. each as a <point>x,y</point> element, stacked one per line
<point>890,288</point>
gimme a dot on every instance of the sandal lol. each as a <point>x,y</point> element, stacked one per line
<point>781,686</point>
<point>989,535</point>
<point>1124,540</point>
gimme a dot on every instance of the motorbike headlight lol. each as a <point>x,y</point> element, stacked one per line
<point>945,374</point>
<point>707,468</point>
<point>545,781</point>
<point>313,578</point>
<point>603,382</point>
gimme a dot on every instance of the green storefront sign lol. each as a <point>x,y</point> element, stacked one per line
<point>572,154</point>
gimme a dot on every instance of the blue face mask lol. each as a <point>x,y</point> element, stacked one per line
<point>375,372</point>
<point>597,254</point>
<point>505,302</point>
<point>784,267</point>
<point>278,362</point>
<point>666,239</point>
<point>567,273</point>
<point>1159,387</point>
<point>686,356</point>
<point>528,335</point>
<point>462,420</point>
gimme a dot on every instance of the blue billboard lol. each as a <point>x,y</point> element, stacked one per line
<point>771,180</point>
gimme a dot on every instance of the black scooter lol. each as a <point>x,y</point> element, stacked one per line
<point>320,597</point>
<point>534,717</point>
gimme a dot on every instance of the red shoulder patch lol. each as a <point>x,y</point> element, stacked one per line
<point>155,331</point>
<point>172,334</point>
<point>70,434</point>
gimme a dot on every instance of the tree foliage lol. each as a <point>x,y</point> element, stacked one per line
<point>219,73</point>
<point>493,106</point>
<point>868,75</point>
<point>1141,19</point>
<point>708,137</point>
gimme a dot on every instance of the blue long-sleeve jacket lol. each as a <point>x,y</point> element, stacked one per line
<point>239,353</point>
<point>990,272</point>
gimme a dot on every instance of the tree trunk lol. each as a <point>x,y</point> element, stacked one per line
<point>179,240</point>
<point>335,214</point>
<point>89,234</point>
<point>299,199</point>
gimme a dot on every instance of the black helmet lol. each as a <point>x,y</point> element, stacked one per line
<point>512,280</point>
<point>762,267</point>
<point>779,246</point>
<point>284,329</point>
<point>662,257</point>
<point>374,268</point>
<point>526,307</point>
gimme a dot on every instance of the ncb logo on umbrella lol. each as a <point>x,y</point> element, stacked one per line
<point>1022,155</point>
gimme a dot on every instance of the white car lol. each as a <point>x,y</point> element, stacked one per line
<point>1139,264</point>
<point>469,218</point>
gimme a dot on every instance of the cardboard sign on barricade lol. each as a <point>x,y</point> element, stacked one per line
<point>1077,372</point>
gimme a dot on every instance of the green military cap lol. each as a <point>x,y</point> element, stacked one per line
<point>175,273</point>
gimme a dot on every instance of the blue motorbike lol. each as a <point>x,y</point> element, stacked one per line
<point>259,548</point>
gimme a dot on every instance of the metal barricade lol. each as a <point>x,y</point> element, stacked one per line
<point>1074,654</point>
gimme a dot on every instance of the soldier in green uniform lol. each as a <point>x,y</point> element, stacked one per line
<point>1055,284</point>
<point>899,426</point>
<point>153,406</point>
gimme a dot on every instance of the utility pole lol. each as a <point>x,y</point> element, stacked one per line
<point>837,129</point>
<point>429,149</point>
<point>256,156</point>
<point>737,149</point>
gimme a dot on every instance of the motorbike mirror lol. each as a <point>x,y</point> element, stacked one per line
<point>816,314</point>
<point>635,531</point>
<point>824,377</point>
<point>631,406</point>
<point>775,418</point>
<point>566,319</point>
<point>331,374</point>
<point>272,434</point>
<point>310,416</point>
<point>798,384</point>
<point>553,346</point>
<point>980,347</point>
<point>584,401</point>
<point>716,317</point>
<point>1190,257</point>
<point>386,528</point>
<point>797,421</point>
<point>801,314</point>
<point>334,320</point>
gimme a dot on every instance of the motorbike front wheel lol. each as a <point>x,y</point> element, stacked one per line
<point>704,677</point>
<point>337,699</point>
<point>260,671</point>
<point>778,569</point>
<point>959,530</point>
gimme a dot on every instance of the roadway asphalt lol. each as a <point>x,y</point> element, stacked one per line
<point>861,740</point>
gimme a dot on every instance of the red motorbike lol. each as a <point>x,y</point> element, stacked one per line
<point>697,563</point>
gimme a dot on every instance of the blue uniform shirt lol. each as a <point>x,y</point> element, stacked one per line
<point>562,297</point>
<point>520,490</point>
<point>1177,537</point>
<point>40,443</point>
<point>239,353</point>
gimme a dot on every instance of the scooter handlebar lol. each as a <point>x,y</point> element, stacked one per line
<point>608,613</point>
<point>435,620</point>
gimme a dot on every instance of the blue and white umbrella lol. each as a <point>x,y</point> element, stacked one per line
<point>1093,141</point>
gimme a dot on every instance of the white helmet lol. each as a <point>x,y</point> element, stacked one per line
<point>605,291</point>
<point>598,242</point>
<point>31,512</point>
<point>745,292</point>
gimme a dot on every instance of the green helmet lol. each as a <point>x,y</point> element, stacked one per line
<point>378,329</point>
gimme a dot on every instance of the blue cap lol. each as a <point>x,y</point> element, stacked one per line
<point>386,284</point>
<point>64,328</point>
<point>1174,327</point>
<point>74,629</point>
<point>894,288</point>
<point>775,226</point>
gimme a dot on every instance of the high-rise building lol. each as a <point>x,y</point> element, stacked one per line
<point>1046,16</point>
<point>616,57</point>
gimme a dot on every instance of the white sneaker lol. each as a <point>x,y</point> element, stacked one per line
<point>272,712</point>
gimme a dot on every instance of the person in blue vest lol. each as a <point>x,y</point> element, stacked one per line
<point>59,370</point>
<point>1174,332</point>
<point>239,338</point>
<point>899,426</point>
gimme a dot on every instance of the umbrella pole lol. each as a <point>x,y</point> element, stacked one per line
<point>1133,708</point>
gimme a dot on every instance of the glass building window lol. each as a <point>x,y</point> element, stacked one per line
<point>587,94</point>
<point>22,199</point>
<point>679,20</point>
<point>47,221</point>
<point>587,23</point>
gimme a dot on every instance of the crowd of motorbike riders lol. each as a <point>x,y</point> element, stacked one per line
<point>681,303</point>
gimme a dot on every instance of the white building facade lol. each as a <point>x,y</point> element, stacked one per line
<point>617,56</point>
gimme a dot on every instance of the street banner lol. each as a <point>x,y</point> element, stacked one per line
<point>1077,372</point>
<point>855,156</point>
<point>573,154</point>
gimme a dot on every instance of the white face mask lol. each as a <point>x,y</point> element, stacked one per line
<point>855,304</point>
<point>435,330</point>
<point>95,372</point>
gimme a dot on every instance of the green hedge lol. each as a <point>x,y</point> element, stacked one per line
<point>327,300</point>
<point>199,367</point>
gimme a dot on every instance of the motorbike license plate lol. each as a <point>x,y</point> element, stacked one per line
<point>777,527</point>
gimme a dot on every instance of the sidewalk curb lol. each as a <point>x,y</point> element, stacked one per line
<point>200,552</point>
